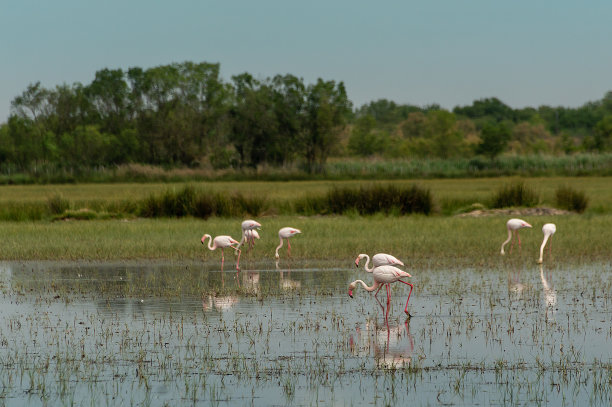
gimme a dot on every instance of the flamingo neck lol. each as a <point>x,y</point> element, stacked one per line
<point>365,286</point>
<point>367,264</point>
<point>279,246</point>
<point>542,247</point>
<point>507,240</point>
<point>211,246</point>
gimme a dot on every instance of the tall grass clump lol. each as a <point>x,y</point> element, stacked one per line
<point>516,194</point>
<point>571,199</point>
<point>57,204</point>
<point>369,200</point>
<point>202,204</point>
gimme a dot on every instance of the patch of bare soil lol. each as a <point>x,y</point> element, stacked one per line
<point>515,212</point>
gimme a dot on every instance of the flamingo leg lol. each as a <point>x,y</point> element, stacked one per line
<point>238,261</point>
<point>288,248</point>
<point>222,258</point>
<point>411,288</point>
<point>512,241</point>
<point>388,302</point>
<point>376,293</point>
<point>550,246</point>
<point>519,240</point>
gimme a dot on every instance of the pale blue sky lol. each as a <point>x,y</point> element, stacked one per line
<point>525,52</point>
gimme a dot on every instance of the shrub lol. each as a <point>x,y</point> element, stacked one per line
<point>570,199</point>
<point>57,204</point>
<point>369,200</point>
<point>517,194</point>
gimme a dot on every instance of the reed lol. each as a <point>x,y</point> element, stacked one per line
<point>571,199</point>
<point>515,195</point>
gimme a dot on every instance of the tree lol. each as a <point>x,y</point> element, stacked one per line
<point>364,140</point>
<point>494,138</point>
<point>326,110</point>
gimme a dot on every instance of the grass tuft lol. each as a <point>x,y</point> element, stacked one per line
<point>571,199</point>
<point>517,194</point>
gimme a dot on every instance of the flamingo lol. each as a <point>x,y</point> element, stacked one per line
<point>286,233</point>
<point>385,275</point>
<point>251,235</point>
<point>380,259</point>
<point>223,242</point>
<point>513,226</point>
<point>548,229</point>
<point>248,226</point>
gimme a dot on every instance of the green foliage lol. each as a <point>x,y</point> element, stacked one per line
<point>571,199</point>
<point>202,204</point>
<point>495,137</point>
<point>57,204</point>
<point>516,194</point>
<point>370,200</point>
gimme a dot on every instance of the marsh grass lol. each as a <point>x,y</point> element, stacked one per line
<point>571,199</point>
<point>368,200</point>
<point>517,194</point>
<point>425,242</point>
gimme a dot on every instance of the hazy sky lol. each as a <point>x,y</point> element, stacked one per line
<point>525,52</point>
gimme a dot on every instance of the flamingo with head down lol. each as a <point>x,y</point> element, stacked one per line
<point>513,226</point>
<point>548,229</point>
<point>384,275</point>
<point>286,233</point>
<point>249,233</point>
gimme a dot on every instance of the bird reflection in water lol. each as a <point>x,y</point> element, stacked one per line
<point>219,303</point>
<point>550,295</point>
<point>250,282</point>
<point>515,287</point>
<point>391,345</point>
<point>286,283</point>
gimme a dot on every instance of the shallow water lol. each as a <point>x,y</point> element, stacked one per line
<point>155,334</point>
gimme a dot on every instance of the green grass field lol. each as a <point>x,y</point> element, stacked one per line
<point>446,192</point>
<point>423,241</point>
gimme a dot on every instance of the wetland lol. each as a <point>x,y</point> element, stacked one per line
<point>287,333</point>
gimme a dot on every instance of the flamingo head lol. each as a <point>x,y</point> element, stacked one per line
<point>204,238</point>
<point>358,259</point>
<point>526,225</point>
<point>351,288</point>
<point>255,225</point>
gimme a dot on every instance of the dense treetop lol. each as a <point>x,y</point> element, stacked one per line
<point>184,114</point>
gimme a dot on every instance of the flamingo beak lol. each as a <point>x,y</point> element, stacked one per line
<point>357,262</point>
<point>351,293</point>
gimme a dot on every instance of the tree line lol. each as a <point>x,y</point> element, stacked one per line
<point>185,114</point>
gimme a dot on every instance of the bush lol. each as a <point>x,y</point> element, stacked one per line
<point>369,200</point>
<point>570,199</point>
<point>517,194</point>
<point>57,204</point>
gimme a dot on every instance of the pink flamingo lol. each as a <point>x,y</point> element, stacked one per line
<point>286,233</point>
<point>380,259</point>
<point>513,226</point>
<point>248,227</point>
<point>223,242</point>
<point>385,275</point>
<point>548,229</point>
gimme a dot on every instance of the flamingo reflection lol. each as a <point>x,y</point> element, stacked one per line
<point>391,345</point>
<point>550,295</point>
<point>219,303</point>
<point>250,282</point>
<point>515,287</point>
<point>286,283</point>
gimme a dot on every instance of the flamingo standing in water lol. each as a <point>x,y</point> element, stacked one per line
<point>385,275</point>
<point>513,226</point>
<point>286,233</point>
<point>548,229</point>
<point>248,227</point>
<point>223,242</point>
<point>380,259</point>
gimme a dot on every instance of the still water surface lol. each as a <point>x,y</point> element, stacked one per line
<point>288,333</point>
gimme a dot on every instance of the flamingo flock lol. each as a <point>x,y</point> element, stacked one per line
<point>384,268</point>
